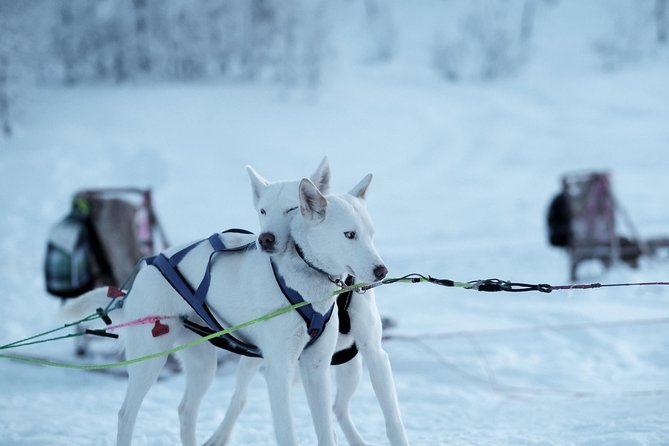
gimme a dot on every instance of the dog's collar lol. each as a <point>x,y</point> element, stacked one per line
<point>300,253</point>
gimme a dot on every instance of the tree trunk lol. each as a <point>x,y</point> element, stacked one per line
<point>662,21</point>
<point>4,97</point>
<point>527,21</point>
<point>142,36</point>
<point>67,44</point>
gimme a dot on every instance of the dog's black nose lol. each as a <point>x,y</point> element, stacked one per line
<point>267,240</point>
<point>380,272</point>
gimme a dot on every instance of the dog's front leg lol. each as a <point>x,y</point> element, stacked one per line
<point>381,375</point>
<point>367,332</point>
<point>279,372</point>
<point>316,380</point>
<point>315,372</point>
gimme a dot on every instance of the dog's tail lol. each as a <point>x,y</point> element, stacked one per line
<point>85,304</point>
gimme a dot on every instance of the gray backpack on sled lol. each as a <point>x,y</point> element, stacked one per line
<point>68,257</point>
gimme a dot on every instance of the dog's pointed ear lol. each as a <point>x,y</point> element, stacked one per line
<point>258,183</point>
<point>321,177</point>
<point>312,202</point>
<point>360,190</point>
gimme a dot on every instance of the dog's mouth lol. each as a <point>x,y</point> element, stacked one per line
<point>268,250</point>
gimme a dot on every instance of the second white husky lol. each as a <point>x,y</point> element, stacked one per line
<point>334,232</point>
<point>274,203</point>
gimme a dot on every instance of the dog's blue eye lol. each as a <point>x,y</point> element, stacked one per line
<point>350,235</point>
<point>262,212</point>
<point>288,211</point>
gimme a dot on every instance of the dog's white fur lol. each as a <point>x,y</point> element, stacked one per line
<point>274,202</point>
<point>242,288</point>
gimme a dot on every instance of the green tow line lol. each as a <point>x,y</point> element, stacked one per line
<point>64,365</point>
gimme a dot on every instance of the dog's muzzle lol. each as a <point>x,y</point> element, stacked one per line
<point>267,242</point>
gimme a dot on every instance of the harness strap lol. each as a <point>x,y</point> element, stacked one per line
<point>197,299</point>
<point>177,257</point>
<point>173,276</point>
<point>228,343</point>
<point>343,301</point>
<point>315,321</point>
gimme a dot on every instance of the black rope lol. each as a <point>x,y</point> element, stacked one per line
<point>492,285</point>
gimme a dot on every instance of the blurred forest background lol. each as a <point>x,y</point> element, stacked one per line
<point>287,42</point>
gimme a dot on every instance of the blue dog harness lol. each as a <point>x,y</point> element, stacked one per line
<point>196,298</point>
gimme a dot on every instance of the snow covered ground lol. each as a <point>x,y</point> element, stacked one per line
<point>463,175</point>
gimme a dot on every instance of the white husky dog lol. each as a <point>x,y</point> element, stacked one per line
<point>335,229</point>
<point>274,203</point>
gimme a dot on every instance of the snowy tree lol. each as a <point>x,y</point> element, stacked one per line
<point>639,30</point>
<point>300,34</point>
<point>142,36</point>
<point>662,21</point>
<point>7,44</point>
<point>493,40</point>
<point>95,40</point>
<point>5,122</point>
<point>380,29</point>
<point>67,39</point>
<point>20,50</point>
